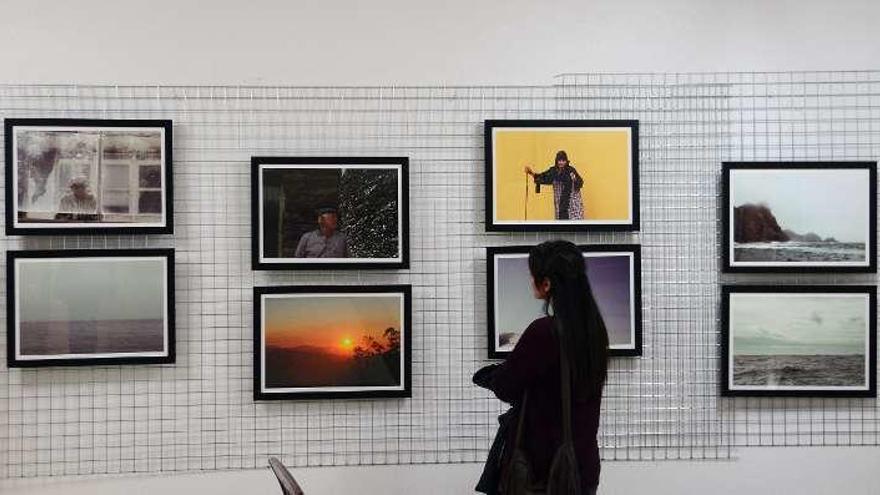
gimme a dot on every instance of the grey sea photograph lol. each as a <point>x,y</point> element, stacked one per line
<point>800,216</point>
<point>90,307</point>
<point>798,341</point>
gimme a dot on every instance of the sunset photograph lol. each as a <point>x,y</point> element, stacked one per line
<point>332,341</point>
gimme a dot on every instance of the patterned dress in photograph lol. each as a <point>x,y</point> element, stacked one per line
<point>567,184</point>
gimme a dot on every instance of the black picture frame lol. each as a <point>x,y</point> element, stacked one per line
<point>728,390</point>
<point>12,318</point>
<point>14,227</point>
<point>632,349</point>
<point>730,265</point>
<point>260,262</point>
<point>405,389</point>
<point>493,225</point>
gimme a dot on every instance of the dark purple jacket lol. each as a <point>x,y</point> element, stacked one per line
<point>534,366</point>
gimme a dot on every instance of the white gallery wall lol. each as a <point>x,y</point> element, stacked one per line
<point>449,43</point>
<point>758,471</point>
<point>347,42</point>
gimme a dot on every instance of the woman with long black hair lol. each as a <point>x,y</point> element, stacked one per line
<point>534,368</point>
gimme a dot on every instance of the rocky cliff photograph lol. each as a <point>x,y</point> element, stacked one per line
<point>800,216</point>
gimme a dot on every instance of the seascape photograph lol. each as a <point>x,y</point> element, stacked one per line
<point>323,343</point>
<point>613,280</point>
<point>800,217</point>
<point>87,308</point>
<point>805,341</point>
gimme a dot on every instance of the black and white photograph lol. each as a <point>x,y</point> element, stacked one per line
<point>332,342</point>
<point>800,217</point>
<point>614,275</point>
<point>90,307</point>
<point>88,176</point>
<point>799,341</point>
<point>330,212</point>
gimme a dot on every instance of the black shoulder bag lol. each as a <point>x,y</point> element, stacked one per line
<point>564,477</point>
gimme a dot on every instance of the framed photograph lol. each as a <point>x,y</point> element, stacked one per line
<point>326,212</point>
<point>314,342</point>
<point>90,307</point>
<point>799,217</point>
<point>562,175</point>
<point>614,273</point>
<point>88,176</point>
<point>802,341</point>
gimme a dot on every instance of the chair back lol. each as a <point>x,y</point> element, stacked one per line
<point>289,486</point>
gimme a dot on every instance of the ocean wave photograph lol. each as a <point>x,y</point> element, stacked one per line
<point>39,338</point>
<point>799,338</point>
<point>822,370</point>
<point>800,251</point>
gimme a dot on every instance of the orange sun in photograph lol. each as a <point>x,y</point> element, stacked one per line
<point>346,345</point>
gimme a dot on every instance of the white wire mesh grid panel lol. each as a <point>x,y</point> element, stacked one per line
<point>198,414</point>
<point>805,116</point>
<point>664,406</point>
<point>812,116</point>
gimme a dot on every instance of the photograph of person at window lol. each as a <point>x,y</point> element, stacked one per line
<point>567,185</point>
<point>79,204</point>
<point>530,379</point>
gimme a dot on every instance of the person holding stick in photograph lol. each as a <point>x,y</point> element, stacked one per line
<point>325,241</point>
<point>567,185</point>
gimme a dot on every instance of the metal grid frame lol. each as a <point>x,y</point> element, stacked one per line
<point>759,116</point>
<point>804,116</point>
<point>198,414</point>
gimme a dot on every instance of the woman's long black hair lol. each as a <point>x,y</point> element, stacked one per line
<point>585,338</point>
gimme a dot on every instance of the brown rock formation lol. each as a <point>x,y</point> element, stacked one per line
<point>756,223</point>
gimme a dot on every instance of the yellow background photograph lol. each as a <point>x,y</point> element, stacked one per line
<point>601,156</point>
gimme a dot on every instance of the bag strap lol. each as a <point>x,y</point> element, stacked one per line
<point>565,386</point>
<point>520,421</point>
